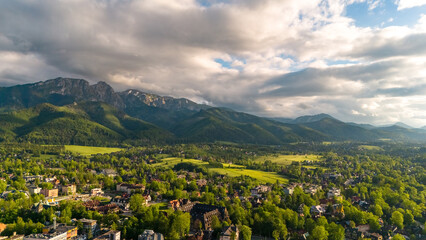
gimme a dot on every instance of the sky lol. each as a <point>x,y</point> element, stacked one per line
<point>358,60</point>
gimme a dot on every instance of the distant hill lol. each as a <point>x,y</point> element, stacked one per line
<point>303,119</point>
<point>225,125</point>
<point>89,123</point>
<point>311,118</point>
<point>401,124</point>
<point>339,130</point>
<point>71,111</point>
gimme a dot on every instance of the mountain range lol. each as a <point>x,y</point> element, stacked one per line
<point>71,111</point>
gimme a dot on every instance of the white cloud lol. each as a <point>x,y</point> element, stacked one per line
<point>404,4</point>
<point>172,48</point>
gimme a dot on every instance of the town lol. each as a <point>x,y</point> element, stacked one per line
<point>50,194</point>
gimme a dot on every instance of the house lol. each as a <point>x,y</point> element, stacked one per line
<point>37,207</point>
<point>290,188</point>
<point>110,235</point>
<point>364,228</point>
<point>317,211</point>
<point>130,188</point>
<point>34,190</point>
<point>364,205</point>
<point>353,234</point>
<point>122,202</point>
<point>355,199</point>
<point>147,198</point>
<point>333,192</point>
<point>69,189</point>
<point>96,192</point>
<point>109,172</point>
<point>229,233</point>
<point>150,235</point>
<point>376,236</point>
<point>50,193</point>
<point>201,182</point>
<point>313,189</point>
<point>32,178</point>
<point>257,191</point>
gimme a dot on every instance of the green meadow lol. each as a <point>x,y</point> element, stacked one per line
<point>370,148</point>
<point>288,159</point>
<point>87,150</point>
<point>231,170</point>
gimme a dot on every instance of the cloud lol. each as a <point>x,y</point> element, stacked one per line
<point>404,4</point>
<point>273,58</point>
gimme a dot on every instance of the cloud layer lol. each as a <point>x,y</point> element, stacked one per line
<point>272,58</point>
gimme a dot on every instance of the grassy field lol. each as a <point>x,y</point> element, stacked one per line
<point>86,150</point>
<point>288,159</point>
<point>231,170</point>
<point>265,177</point>
<point>370,147</point>
<point>172,161</point>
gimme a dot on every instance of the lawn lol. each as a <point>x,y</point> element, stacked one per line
<point>87,150</point>
<point>288,159</point>
<point>231,170</point>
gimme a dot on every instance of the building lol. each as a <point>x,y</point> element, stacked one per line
<point>257,191</point>
<point>150,235</point>
<point>57,230</point>
<point>110,235</point>
<point>333,192</point>
<point>69,189</point>
<point>290,188</point>
<point>201,182</point>
<point>96,192</point>
<point>229,233</point>
<point>122,202</point>
<point>203,214</point>
<point>376,236</point>
<point>109,172</point>
<point>313,189</point>
<point>48,236</point>
<point>37,207</point>
<point>50,192</point>
<point>90,227</point>
<point>34,190</point>
<point>130,188</point>
<point>32,178</point>
<point>317,211</point>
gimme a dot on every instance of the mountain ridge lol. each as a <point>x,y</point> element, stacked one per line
<point>134,114</point>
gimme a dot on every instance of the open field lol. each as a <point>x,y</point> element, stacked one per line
<point>288,159</point>
<point>266,177</point>
<point>370,147</point>
<point>172,161</point>
<point>86,150</point>
<point>231,170</point>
